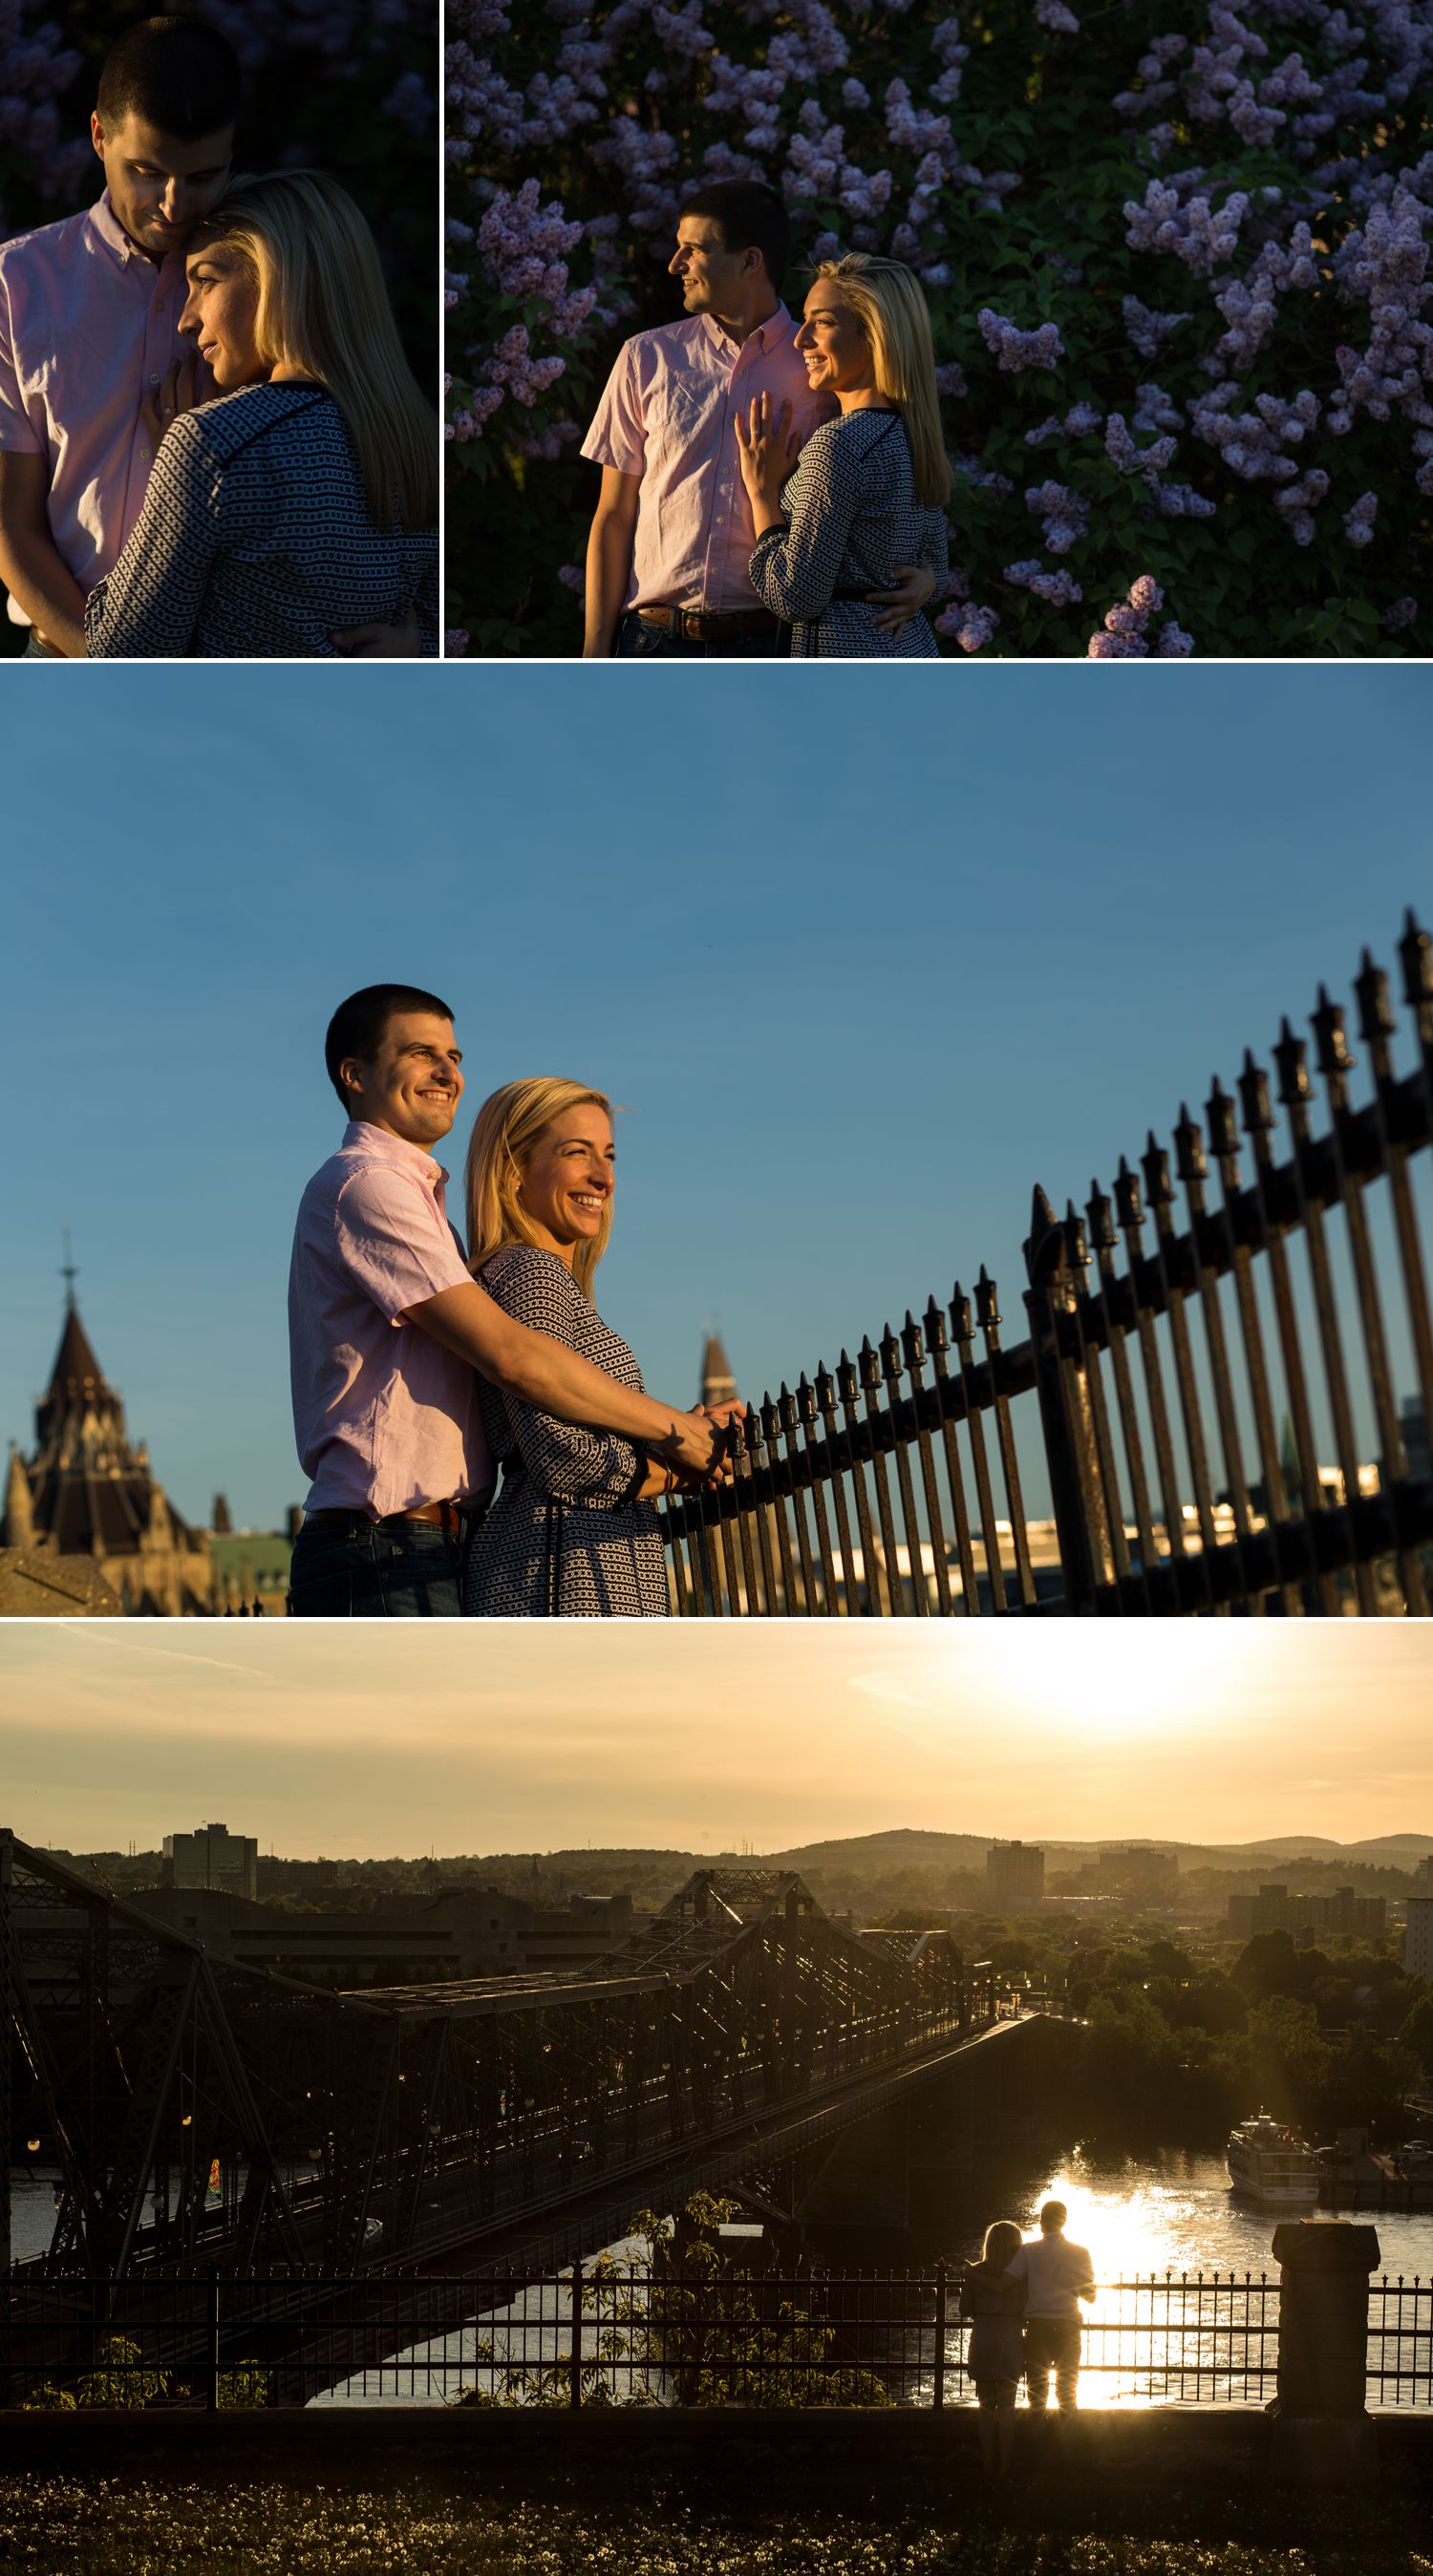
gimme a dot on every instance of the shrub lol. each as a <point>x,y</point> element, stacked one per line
<point>1176,254</point>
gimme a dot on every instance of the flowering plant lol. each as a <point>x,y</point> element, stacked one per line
<point>1176,253</point>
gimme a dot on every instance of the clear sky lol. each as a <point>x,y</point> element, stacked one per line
<point>344,1741</point>
<point>863,954</point>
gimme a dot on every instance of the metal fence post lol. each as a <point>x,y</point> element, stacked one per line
<point>574,2392</point>
<point>211,2344</point>
<point>940,2290</point>
<point>1066,1416</point>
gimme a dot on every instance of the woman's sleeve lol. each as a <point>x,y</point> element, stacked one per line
<point>935,542</point>
<point>794,568</point>
<point>560,1457</point>
<point>425,598</point>
<point>150,603</point>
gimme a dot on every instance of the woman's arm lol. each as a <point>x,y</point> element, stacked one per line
<point>560,1457</point>
<point>150,604</point>
<point>794,566</point>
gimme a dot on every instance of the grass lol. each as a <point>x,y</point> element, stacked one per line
<point>162,2525</point>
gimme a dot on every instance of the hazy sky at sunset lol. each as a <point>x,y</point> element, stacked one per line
<point>348,1742</point>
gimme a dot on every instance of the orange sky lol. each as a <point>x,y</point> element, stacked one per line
<point>399,1739</point>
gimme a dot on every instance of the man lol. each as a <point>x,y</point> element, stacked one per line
<point>92,365</point>
<point>1057,2276</point>
<point>673,532</point>
<point>387,1328</point>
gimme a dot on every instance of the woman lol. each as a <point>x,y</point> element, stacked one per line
<point>870,490</point>
<point>574,1533</point>
<point>995,2305</point>
<point>305,499</point>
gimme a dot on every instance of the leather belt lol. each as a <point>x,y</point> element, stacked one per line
<point>448,1517</point>
<point>709,625</point>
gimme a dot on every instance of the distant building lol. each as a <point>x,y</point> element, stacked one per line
<point>1418,1937</point>
<point>1015,1876</point>
<point>718,1384</point>
<point>1273,1909</point>
<point>1413,1423</point>
<point>88,1499</point>
<point>1265,1910</point>
<point>213,1857</point>
<point>1423,1874</point>
<point>399,1940</point>
<point>1136,1871</point>
<point>1363,1918</point>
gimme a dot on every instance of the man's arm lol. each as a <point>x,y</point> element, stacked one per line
<point>609,559</point>
<point>468,1322</point>
<point>31,565</point>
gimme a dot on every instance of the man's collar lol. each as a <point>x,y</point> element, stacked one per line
<point>763,334</point>
<point>382,1146</point>
<point>117,242</point>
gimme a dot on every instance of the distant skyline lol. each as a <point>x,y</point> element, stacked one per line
<point>338,1741</point>
<point>862,963</point>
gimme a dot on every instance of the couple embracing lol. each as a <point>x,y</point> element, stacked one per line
<point>418,1369</point>
<point>211,442</point>
<point>769,488</point>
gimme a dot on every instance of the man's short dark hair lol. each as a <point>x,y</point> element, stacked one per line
<point>176,75</point>
<point>1054,2214</point>
<point>751,218</point>
<point>359,1024</point>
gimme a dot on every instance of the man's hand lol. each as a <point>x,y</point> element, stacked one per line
<point>768,451</point>
<point>173,394</point>
<point>400,640</point>
<point>897,607</point>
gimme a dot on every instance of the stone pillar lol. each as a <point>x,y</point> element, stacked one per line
<point>1322,2433</point>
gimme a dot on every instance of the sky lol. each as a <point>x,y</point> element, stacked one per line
<point>345,1743</point>
<point>863,956</point>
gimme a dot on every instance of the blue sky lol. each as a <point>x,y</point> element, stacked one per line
<point>863,954</point>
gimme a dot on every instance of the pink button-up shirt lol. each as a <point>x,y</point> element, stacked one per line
<point>384,1416</point>
<point>669,414</point>
<point>86,322</point>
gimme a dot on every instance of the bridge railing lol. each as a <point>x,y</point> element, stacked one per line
<point>1212,1398</point>
<point>609,2333</point>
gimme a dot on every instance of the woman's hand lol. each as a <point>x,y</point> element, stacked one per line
<point>896,608</point>
<point>173,394</point>
<point>768,453</point>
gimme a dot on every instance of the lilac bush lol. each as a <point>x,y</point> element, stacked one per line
<point>1176,252</point>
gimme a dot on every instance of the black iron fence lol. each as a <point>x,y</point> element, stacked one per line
<point>618,2334</point>
<point>1213,1398</point>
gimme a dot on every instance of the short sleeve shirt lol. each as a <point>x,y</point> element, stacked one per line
<point>385,1418</point>
<point>668,415</point>
<point>1053,2271</point>
<point>87,323</point>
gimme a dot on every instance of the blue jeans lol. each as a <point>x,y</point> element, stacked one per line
<point>37,653</point>
<point>639,642</point>
<point>364,1572</point>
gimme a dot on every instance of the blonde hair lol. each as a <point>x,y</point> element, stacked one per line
<point>509,1125</point>
<point>323,308</point>
<point>1002,2239</point>
<point>887,301</point>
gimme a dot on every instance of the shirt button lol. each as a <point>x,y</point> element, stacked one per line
<point>154,379</point>
<point>159,304</point>
<point>144,456</point>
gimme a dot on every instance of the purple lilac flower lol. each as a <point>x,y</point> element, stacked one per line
<point>1016,349</point>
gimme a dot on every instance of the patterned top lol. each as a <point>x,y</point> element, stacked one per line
<point>567,1537</point>
<point>852,517</point>
<point>995,2305</point>
<point>255,540</point>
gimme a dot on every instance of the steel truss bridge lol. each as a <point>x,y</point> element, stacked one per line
<point>205,2116</point>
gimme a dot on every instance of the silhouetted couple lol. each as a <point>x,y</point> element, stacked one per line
<point>1023,2304</point>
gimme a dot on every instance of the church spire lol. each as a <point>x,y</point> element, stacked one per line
<point>718,1384</point>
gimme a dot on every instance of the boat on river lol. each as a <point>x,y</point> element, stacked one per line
<point>1270,2165</point>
